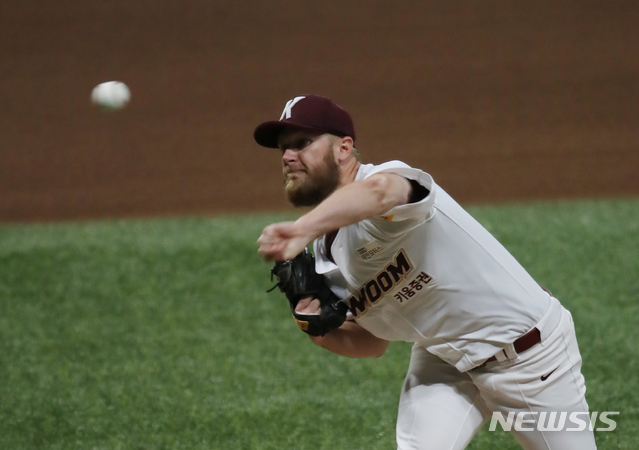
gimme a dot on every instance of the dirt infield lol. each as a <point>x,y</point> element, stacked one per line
<point>499,101</point>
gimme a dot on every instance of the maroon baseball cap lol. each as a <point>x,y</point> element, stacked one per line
<point>307,112</point>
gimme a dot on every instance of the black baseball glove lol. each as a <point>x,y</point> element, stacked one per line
<point>297,279</point>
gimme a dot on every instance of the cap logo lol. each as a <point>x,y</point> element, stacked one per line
<point>286,114</point>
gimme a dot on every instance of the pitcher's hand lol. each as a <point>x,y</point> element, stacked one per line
<point>309,306</point>
<point>282,241</point>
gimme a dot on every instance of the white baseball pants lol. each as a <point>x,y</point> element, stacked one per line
<point>442,409</point>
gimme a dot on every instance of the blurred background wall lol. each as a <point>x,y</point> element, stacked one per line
<point>498,100</point>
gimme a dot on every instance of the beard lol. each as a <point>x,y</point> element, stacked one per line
<point>310,188</point>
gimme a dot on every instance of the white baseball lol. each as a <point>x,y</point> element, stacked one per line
<point>111,95</point>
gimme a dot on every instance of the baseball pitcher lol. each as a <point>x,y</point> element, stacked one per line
<point>396,258</point>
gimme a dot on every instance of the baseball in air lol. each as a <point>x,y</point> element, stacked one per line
<point>111,95</point>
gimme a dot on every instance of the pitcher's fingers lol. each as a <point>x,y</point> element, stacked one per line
<point>308,306</point>
<point>303,304</point>
<point>271,253</point>
<point>266,238</point>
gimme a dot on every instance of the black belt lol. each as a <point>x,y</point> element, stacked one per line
<point>528,340</point>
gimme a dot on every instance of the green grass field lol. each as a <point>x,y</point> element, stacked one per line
<point>158,334</point>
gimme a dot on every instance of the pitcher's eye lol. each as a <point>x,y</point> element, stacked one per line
<point>297,145</point>
<point>301,144</point>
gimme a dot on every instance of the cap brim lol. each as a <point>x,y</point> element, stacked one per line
<point>266,134</point>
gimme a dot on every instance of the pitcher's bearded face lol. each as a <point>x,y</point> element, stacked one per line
<point>308,186</point>
<point>310,171</point>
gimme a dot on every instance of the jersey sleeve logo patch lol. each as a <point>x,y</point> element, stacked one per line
<point>390,277</point>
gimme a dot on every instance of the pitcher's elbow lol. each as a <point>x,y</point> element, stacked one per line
<point>389,190</point>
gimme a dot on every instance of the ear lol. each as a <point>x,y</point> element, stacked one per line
<point>345,148</point>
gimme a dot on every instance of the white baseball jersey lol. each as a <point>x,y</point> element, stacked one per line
<point>428,272</point>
